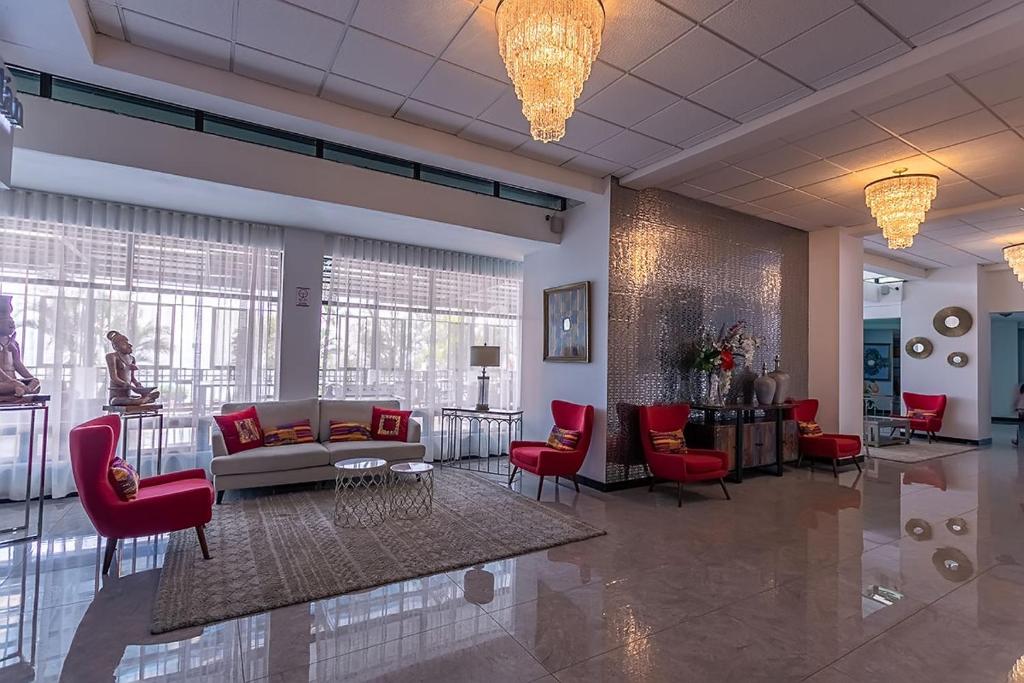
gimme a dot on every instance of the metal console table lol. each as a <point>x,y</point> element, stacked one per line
<point>33,404</point>
<point>479,440</point>
<point>140,413</point>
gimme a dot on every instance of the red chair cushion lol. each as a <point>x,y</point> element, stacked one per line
<point>699,464</point>
<point>847,445</point>
<point>530,455</point>
<point>242,430</point>
<point>388,424</point>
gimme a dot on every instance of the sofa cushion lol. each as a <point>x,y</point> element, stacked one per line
<point>348,411</point>
<point>272,459</point>
<point>392,451</point>
<point>277,413</point>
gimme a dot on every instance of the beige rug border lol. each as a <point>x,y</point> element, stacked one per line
<point>180,545</point>
<point>875,450</point>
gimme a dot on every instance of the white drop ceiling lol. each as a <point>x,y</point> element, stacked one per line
<point>673,75</point>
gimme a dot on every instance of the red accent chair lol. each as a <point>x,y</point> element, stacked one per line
<point>927,403</point>
<point>693,465</point>
<point>165,503</point>
<point>834,447</point>
<point>543,460</point>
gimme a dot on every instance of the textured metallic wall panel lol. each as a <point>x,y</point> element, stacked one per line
<point>677,267</point>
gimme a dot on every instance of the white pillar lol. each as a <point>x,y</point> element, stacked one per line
<point>835,327</point>
<point>298,358</point>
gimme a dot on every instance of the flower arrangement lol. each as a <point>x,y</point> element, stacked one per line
<point>718,356</point>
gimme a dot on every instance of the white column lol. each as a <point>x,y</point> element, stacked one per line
<point>298,358</point>
<point>835,328</point>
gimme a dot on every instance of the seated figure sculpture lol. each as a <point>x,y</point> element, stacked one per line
<point>123,387</point>
<point>15,379</point>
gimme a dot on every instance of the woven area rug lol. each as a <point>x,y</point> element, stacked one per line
<point>284,549</point>
<point>919,452</point>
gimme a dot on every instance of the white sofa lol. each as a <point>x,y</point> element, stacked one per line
<point>294,463</point>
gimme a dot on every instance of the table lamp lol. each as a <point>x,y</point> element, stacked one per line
<point>484,357</point>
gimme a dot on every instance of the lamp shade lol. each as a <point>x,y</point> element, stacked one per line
<point>485,356</point>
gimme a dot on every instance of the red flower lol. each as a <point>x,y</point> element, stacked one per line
<point>727,360</point>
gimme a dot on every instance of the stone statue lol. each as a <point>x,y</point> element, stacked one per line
<point>11,386</point>
<point>124,389</point>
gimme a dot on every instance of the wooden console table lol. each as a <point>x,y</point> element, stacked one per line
<point>744,414</point>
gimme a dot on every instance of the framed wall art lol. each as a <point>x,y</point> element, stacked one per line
<point>567,323</point>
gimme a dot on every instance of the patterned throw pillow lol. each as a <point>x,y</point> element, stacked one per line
<point>809,429</point>
<point>563,439</point>
<point>295,432</point>
<point>668,442</point>
<point>241,430</point>
<point>124,479</point>
<point>918,414</point>
<point>349,431</point>
<point>388,424</point>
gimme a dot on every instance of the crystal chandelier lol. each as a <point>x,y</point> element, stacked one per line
<point>1014,255</point>
<point>548,47</point>
<point>899,204</point>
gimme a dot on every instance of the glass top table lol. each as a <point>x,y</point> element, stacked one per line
<point>885,430</point>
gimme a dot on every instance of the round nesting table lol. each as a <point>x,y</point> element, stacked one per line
<point>360,492</point>
<point>412,490</point>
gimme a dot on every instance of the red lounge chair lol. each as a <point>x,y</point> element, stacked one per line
<point>693,465</point>
<point>925,412</point>
<point>834,447</point>
<point>543,460</point>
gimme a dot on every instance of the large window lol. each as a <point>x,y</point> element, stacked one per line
<point>202,315</point>
<point>398,323</point>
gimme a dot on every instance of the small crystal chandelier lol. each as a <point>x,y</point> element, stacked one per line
<point>548,47</point>
<point>1014,255</point>
<point>899,204</point>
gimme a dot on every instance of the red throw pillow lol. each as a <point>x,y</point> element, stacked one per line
<point>389,424</point>
<point>241,430</point>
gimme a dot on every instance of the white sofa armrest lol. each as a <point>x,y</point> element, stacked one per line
<point>413,435</point>
<point>217,442</point>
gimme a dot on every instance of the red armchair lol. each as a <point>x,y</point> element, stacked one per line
<point>834,447</point>
<point>165,503</point>
<point>542,460</point>
<point>930,425</point>
<point>694,465</point>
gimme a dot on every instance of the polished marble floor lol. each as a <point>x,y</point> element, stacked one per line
<point>799,578</point>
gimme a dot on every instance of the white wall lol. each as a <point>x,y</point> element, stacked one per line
<point>583,255</point>
<point>299,352</point>
<point>1005,294</point>
<point>968,411</point>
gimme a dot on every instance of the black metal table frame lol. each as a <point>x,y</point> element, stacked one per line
<point>140,416</point>
<point>452,422</point>
<point>33,407</point>
<point>741,413</point>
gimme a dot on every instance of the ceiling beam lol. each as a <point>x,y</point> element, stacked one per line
<point>883,265</point>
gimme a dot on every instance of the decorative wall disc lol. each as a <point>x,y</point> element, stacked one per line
<point>918,529</point>
<point>953,321</point>
<point>957,359</point>
<point>957,525</point>
<point>919,347</point>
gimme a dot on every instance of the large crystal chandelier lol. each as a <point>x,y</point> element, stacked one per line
<point>1014,255</point>
<point>548,47</point>
<point>899,204</point>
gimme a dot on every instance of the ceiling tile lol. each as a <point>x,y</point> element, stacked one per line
<point>809,174</point>
<point>723,179</point>
<point>628,148</point>
<point>971,16</point>
<point>209,16</point>
<point>913,16</point>
<point>746,88</point>
<point>105,19</point>
<point>335,9</point>
<point>698,10</point>
<point>691,62</point>
<point>174,40</point>
<point>688,190</point>
<point>751,192</point>
<point>842,185</point>
<point>547,152</point>
<point>1011,223</point>
<point>289,31</point>
<point>458,89</point>
<point>824,213</point>
<point>960,230</point>
<point>940,105</point>
<point>583,131</point>
<point>361,96</point>
<point>860,66</point>
<point>660,155</point>
<point>432,117</point>
<point>845,39</point>
<point>772,105</point>
<point>984,156</point>
<point>628,101</point>
<point>998,85</point>
<point>379,62</point>
<point>595,166</point>
<point>960,194</point>
<point>1012,112</point>
<point>785,200</point>
<point>776,160</point>
<point>708,134</point>
<point>425,25</point>
<point>276,70</point>
<point>493,136</point>
<point>680,121</point>
<point>1004,183</point>
<point>476,46</point>
<point>722,200</point>
<point>760,25</point>
<point>507,112</point>
<point>636,30</point>
<point>601,76</point>
<point>905,95</point>
<point>874,154</point>
<point>843,138</point>
<point>963,128</point>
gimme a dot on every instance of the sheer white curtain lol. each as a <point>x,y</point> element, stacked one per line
<point>398,321</point>
<point>197,296</point>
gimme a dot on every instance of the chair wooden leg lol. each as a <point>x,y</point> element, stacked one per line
<point>556,483</point>
<point>651,487</point>
<point>540,487</point>
<point>725,490</point>
<point>220,497</point>
<point>799,460</point>
<point>857,464</point>
<point>679,494</point>
<point>575,483</point>
<point>201,533</point>
<point>108,554</point>
<point>835,469</point>
<point>512,475</point>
